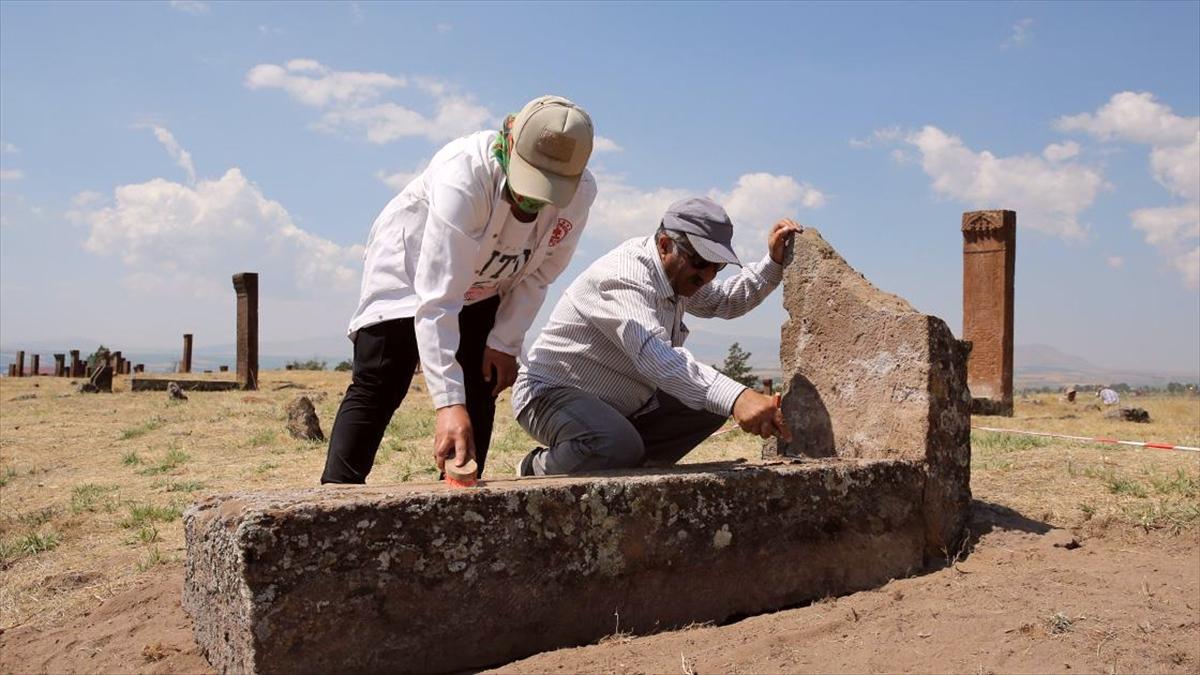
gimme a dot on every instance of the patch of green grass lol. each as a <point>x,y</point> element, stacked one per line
<point>30,543</point>
<point>184,486</point>
<point>32,520</point>
<point>143,514</point>
<point>1178,483</point>
<point>146,534</point>
<point>9,472</point>
<point>172,459</point>
<point>131,458</point>
<point>153,558</point>
<point>265,467</point>
<point>90,496</point>
<point>1163,514</point>
<point>142,429</point>
<point>411,422</point>
<point>262,438</point>
<point>997,442</point>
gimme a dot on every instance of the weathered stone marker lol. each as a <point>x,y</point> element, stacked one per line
<point>118,363</point>
<point>380,579</point>
<point>989,270</point>
<point>185,366</point>
<point>866,375</point>
<point>60,365</point>
<point>246,286</point>
<point>35,365</point>
<point>12,370</point>
<point>76,364</point>
<point>139,368</point>
<point>20,363</point>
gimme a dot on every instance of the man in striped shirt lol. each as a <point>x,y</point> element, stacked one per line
<point>608,384</point>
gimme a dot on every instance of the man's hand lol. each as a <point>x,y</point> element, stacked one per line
<point>780,236</point>
<point>500,369</point>
<point>760,414</point>
<point>454,439</point>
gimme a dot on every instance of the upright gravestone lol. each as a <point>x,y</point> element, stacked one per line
<point>12,370</point>
<point>185,366</point>
<point>139,368</point>
<point>21,363</point>
<point>118,363</point>
<point>989,269</point>
<point>866,375</point>
<point>101,379</point>
<point>35,364</point>
<point>246,285</point>
<point>76,364</point>
<point>60,365</point>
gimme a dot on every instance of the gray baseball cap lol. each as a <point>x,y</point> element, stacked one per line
<point>707,227</point>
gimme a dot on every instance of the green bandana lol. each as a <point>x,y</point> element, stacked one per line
<point>501,152</point>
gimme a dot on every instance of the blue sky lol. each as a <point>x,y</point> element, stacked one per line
<point>152,149</point>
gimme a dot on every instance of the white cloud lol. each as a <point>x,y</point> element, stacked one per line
<point>877,138</point>
<point>1057,152</point>
<point>1115,262</point>
<point>8,148</point>
<point>86,198</point>
<point>444,28</point>
<point>398,180</point>
<point>11,174</point>
<point>1174,162</point>
<point>1020,34</point>
<point>177,236</point>
<point>356,11</point>
<point>314,84</point>
<point>190,6</point>
<point>603,144</point>
<point>268,31</point>
<point>1048,197</point>
<point>1175,232</point>
<point>182,157</point>
<point>388,122</point>
<point>350,101</point>
<point>1135,117</point>
<point>1177,168</point>
<point>754,203</point>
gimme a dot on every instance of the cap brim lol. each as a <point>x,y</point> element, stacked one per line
<point>712,251</point>
<point>529,181</point>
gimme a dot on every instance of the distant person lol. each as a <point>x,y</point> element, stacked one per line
<point>1108,396</point>
<point>608,383</point>
<point>456,267</point>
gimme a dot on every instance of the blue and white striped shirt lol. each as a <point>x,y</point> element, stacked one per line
<point>617,333</point>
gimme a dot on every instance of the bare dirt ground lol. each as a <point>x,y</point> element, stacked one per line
<point>1083,558</point>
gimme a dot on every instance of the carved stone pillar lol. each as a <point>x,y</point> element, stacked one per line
<point>246,285</point>
<point>989,269</point>
<point>185,366</point>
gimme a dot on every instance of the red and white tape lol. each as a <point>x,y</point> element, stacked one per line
<point>1092,439</point>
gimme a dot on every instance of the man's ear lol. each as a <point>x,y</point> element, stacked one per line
<point>663,242</point>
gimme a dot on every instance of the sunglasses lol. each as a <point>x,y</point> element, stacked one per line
<point>694,259</point>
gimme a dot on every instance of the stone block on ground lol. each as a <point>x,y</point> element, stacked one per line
<point>1128,414</point>
<point>866,375</point>
<point>381,579</point>
<point>302,420</point>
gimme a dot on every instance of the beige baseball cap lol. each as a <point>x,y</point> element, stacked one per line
<point>552,141</point>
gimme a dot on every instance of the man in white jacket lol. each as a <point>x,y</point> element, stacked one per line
<point>456,267</point>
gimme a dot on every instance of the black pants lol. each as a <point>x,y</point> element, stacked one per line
<point>385,356</point>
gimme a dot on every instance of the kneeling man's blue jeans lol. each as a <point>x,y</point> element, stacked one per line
<point>583,433</point>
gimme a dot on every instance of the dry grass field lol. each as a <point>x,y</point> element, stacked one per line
<point>92,487</point>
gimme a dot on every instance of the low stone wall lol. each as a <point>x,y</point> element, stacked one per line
<point>425,578</point>
<point>160,384</point>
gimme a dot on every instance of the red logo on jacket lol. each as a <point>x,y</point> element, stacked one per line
<point>561,229</point>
